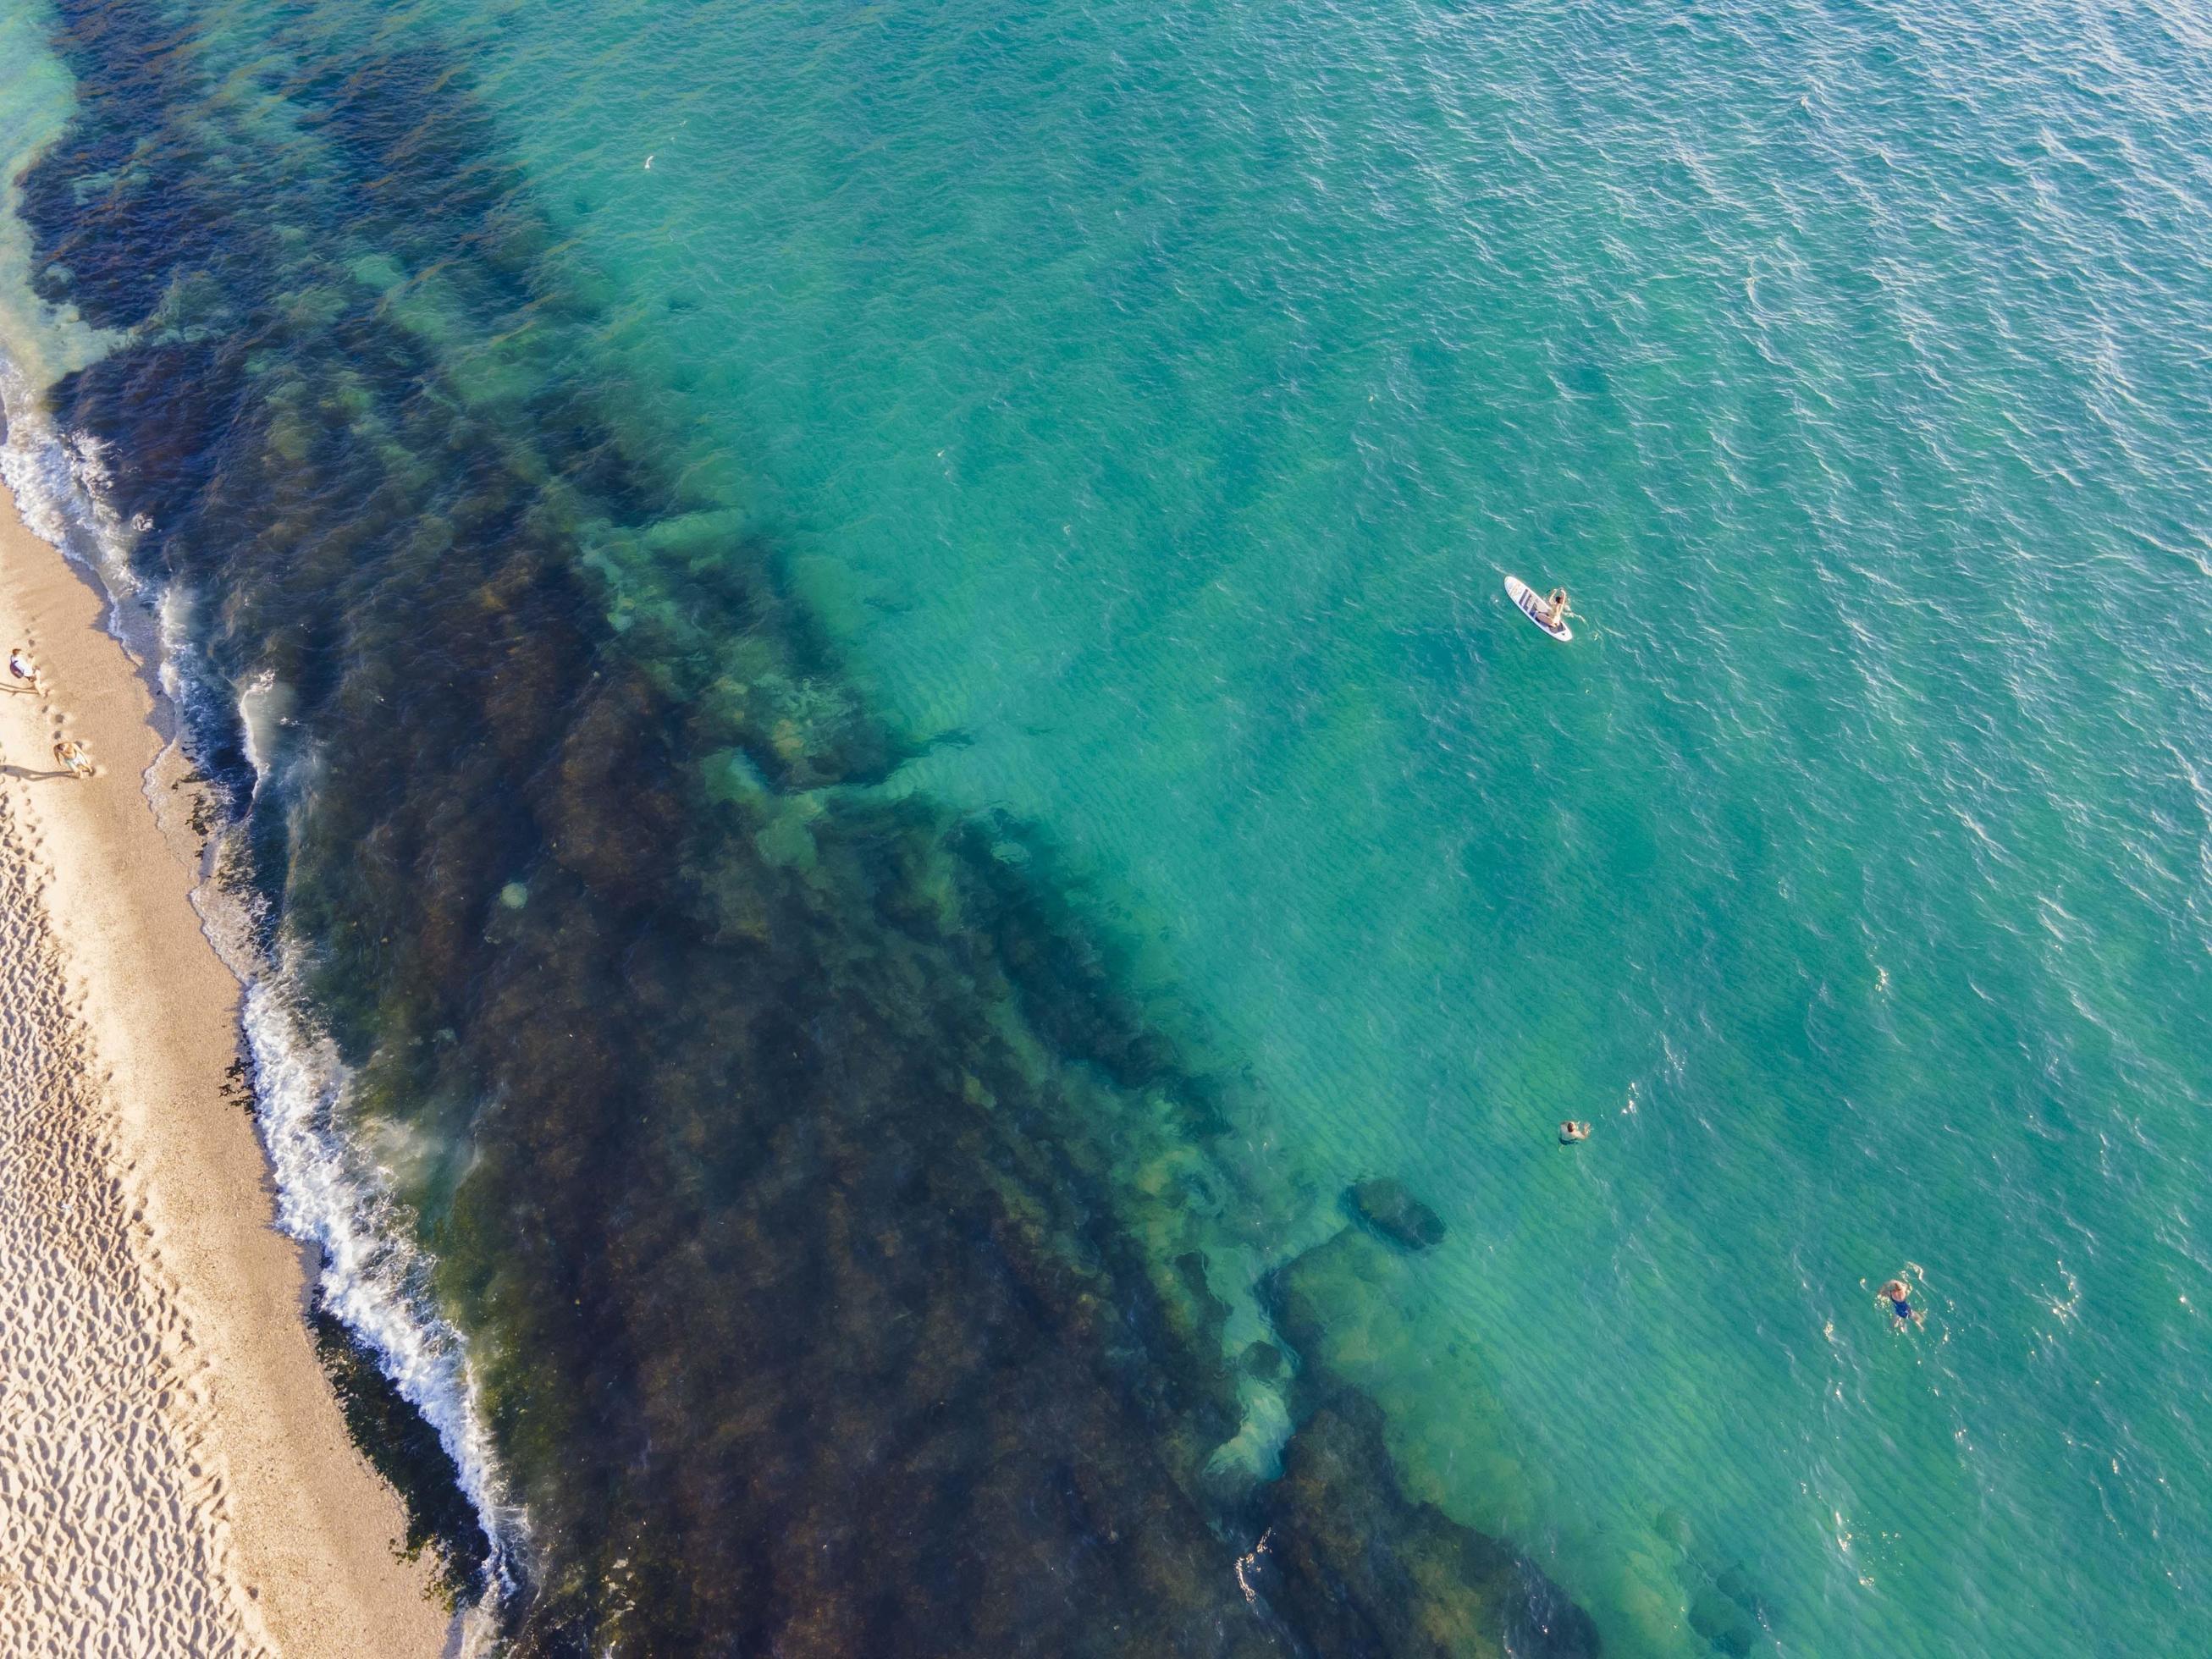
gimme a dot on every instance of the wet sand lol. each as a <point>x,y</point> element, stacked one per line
<point>175,1476</point>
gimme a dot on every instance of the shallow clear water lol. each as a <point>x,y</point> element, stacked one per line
<point>1138,414</point>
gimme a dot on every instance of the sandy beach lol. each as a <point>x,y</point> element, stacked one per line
<point>175,1477</point>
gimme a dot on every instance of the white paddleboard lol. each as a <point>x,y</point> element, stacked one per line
<point>1532,607</point>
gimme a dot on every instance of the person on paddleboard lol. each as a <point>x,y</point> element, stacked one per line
<point>1555,608</point>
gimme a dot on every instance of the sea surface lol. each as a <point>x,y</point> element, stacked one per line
<point>863,743</point>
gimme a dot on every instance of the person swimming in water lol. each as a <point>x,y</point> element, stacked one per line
<point>1571,1131</point>
<point>1898,1297</point>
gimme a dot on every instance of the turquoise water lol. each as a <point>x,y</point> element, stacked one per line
<point>1148,407</point>
<point>1161,402</point>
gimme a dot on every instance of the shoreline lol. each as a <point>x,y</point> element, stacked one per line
<point>229,1508</point>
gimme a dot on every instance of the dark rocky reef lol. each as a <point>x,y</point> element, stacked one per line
<point>1333,1299</point>
<point>1725,1610</point>
<point>1357,1568</point>
<point>1395,1213</point>
<point>826,1219</point>
<point>1363,1567</point>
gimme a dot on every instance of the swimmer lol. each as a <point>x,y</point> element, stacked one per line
<point>71,755</point>
<point>1570,1132</point>
<point>1898,1295</point>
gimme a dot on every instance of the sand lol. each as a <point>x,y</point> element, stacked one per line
<point>175,1477</point>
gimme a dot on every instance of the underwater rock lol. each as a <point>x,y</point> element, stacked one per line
<point>1357,1567</point>
<point>1261,1360</point>
<point>1735,1584</point>
<point>1334,1305</point>
<point>1723,1606</point>
<point>1726,1627</point>
<point>1367,1566</point>
<point>1190,1268</point>
<point>1385,1205</point>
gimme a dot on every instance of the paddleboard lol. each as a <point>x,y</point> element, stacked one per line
<point>1532,606</point>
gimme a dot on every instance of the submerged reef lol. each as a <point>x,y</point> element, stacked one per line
<point>1385,1205</point>
<point>1369,1568</point>
<point>1359,1568</point>
<point>830,1226</point>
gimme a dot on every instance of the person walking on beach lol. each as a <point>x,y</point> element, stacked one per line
<point>22,671</point>
<point>71,754</point>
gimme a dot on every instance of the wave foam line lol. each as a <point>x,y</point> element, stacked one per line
<point>329,1195</point>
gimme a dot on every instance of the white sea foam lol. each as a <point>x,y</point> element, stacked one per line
<point>330,1192</point>
<point>264,707</point>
